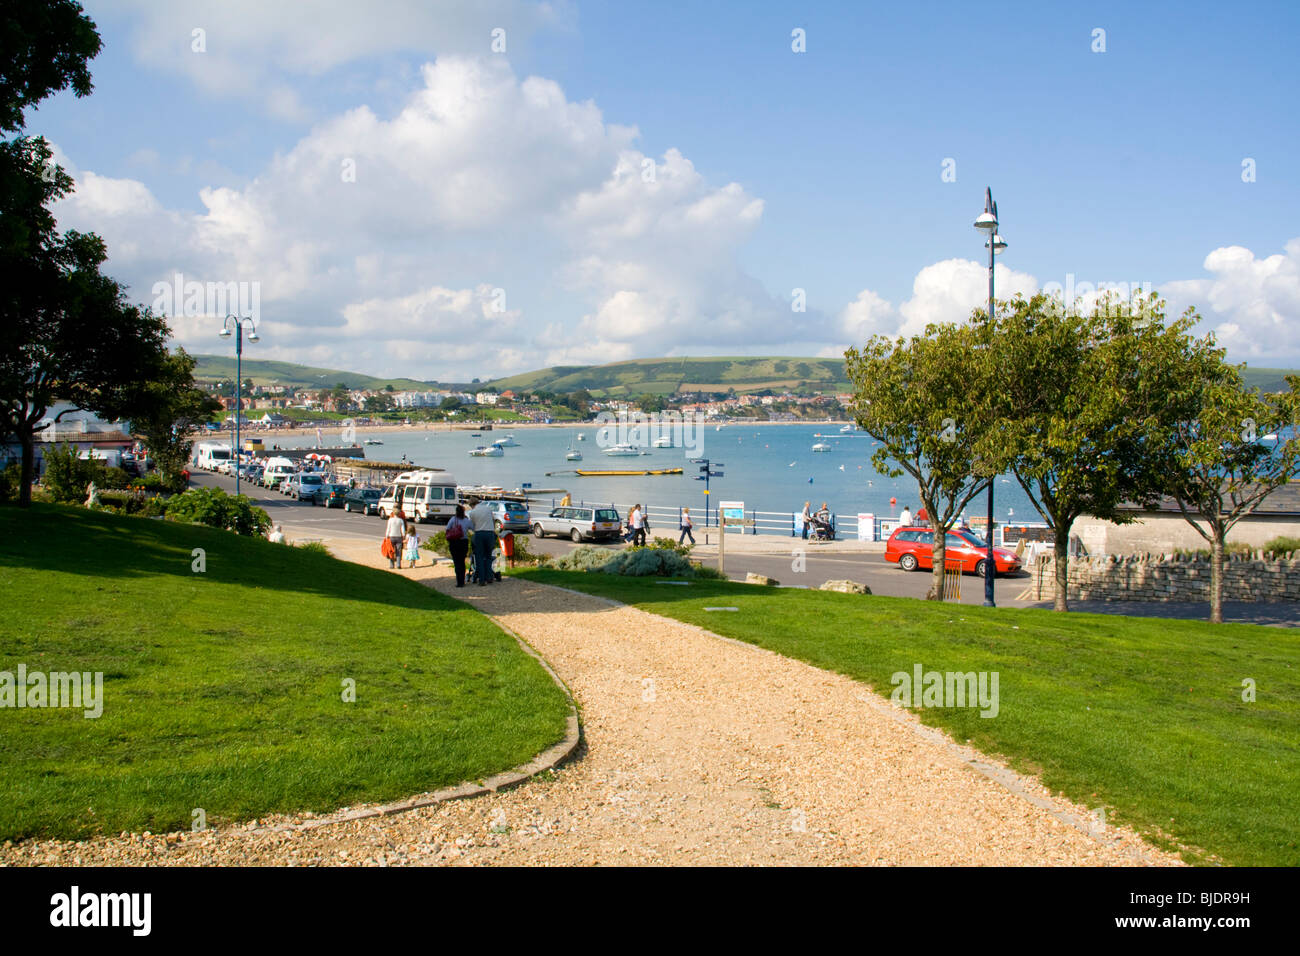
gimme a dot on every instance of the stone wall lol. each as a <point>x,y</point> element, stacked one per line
<point>1163,532</point>
<point>1146,577</point>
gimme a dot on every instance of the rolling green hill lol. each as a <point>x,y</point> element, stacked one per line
<point>663,376</point>
<point>262,372</point>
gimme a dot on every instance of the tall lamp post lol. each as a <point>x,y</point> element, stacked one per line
<point>235,324</point>
<point>988,223</point>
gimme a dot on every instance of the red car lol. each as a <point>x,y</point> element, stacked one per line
<point>912,548</point>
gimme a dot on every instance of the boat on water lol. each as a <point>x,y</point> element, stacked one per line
<point>582,436</point>
<point>487,451</point>
<point>821,446</point>
<point>623,451</point>
<point>374,441</point>
<point>507,442</point>
<point>848,428</point>
<point>663,441</point>
<point>573,455</point>
<point>616,473</point>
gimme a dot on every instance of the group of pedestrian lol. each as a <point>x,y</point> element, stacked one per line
<point>813,522</point>
<point>637,526</point>
<point>403,541</point>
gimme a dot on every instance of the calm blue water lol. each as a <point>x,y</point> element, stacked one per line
<point>769,468</point>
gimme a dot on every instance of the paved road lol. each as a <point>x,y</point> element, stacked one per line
<point>869,568</point>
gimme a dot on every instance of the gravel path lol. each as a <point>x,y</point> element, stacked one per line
<point>699,750</point>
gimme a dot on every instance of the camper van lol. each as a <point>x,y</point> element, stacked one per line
<point>277,469</point>
<point>421,496</point>
<point>209,454</point>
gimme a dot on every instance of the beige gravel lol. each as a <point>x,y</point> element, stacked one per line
<point>698,750</point>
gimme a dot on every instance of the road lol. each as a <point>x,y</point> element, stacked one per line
<point>869,568</point>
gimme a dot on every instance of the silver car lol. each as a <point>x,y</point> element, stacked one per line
<point>580,523</point>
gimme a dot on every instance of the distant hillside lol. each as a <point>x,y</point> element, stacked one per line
<point>262,372</point>
<point>1268,379</point>
<point>664,376</point>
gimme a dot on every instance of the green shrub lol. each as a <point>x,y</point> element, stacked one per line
<point>437,543</point>
<point>157,481</point>
<point>1282,544</point>
<point>131,503</point>
<point>114,478</point>
<point>585,558</point>
<point>10,479</point>
<point>212,506</point>
<point>67,476</point>
<point>633,562</point>
<point>668,544</point>
<point>315,547</point>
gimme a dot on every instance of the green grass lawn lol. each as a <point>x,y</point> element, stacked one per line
<point>223,690</point>
<point>1143,717</point>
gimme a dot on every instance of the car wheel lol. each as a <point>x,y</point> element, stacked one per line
<point>981,566</point>
<point>538,532</point>
<point>575,536</point>
<point>382,514</point>
<point>907,562</point>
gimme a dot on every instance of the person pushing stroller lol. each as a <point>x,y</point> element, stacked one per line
<point>822,528</point>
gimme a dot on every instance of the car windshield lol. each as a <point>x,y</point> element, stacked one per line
<point>974,540</point>
<point>310,479</point>
<point>370,493</point>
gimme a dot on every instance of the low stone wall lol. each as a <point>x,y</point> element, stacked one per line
<point>1145,577</point>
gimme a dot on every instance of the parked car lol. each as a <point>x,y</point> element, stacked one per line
<point>365,500</point>
<point>331,494</point>
<point>580,524</point>
<point>912,547</point>
<point>510,516</point>
<point>307,486</point>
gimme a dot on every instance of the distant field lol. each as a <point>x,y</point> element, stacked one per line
<point>264,372</point>
<point>665,376</point>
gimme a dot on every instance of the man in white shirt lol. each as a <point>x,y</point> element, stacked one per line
<point>481,520</point>
<point>276,536</point>
<point>394,531</point>
<point>905,518</point>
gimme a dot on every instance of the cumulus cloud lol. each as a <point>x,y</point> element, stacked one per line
<point>1251,305</point>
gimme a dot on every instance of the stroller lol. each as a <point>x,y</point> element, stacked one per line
<point>496,564</point>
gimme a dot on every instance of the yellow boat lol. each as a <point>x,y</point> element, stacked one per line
<point>622,473</point>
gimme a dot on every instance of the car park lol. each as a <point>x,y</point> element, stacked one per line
<point>911,548</point>
<point>580,523</point>
<point>365,500</point>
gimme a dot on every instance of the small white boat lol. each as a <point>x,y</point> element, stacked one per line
<point>373,441</point>
<point>507,442</point>
<point>663,441</point>
<point>821,446</point>
<point>582,436</point>
<point>573,455</point>
<point>622,451</point>
<point>487,451</point>
<point>848,428</point>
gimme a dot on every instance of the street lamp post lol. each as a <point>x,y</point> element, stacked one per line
<point>235,324</point>
<point>988,222</point>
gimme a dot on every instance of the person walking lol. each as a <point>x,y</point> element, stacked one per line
<point>686,525</point>
<point>394,531</point>
<point>481,521</point>
<point>806,518</point>
<point>458,532</point>
<point>636,520</point>
<point>412,543</point>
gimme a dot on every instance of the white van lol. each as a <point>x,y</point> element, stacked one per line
<point>277,469</point>
<point>421,495</point>
<point>209,454</point>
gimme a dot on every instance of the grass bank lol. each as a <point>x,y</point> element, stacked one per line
<point>1140,716</point>
<point>223,690</point>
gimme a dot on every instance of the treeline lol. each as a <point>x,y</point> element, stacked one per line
<point>1090,410</point>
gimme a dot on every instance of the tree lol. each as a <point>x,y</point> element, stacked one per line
<point>378,403</point>
<point>1077,414</point>
<point>44,48</point>
<point>1236,449</point>
<point>173,406</point>
<point>915,397</point>
<point>449,403</point>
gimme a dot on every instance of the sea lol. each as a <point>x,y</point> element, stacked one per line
<point>770,468</point>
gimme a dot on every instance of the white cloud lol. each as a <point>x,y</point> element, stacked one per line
<point>256,50</point>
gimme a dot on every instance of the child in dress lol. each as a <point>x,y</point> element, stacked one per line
<point>412,545</point>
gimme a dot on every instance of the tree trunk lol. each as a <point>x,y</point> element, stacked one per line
<point>938,550</point>
<point>1061,552</point>
<point>28,441</point>
<point>1216,576</point>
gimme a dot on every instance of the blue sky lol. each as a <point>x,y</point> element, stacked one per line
<point>817,170</point>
